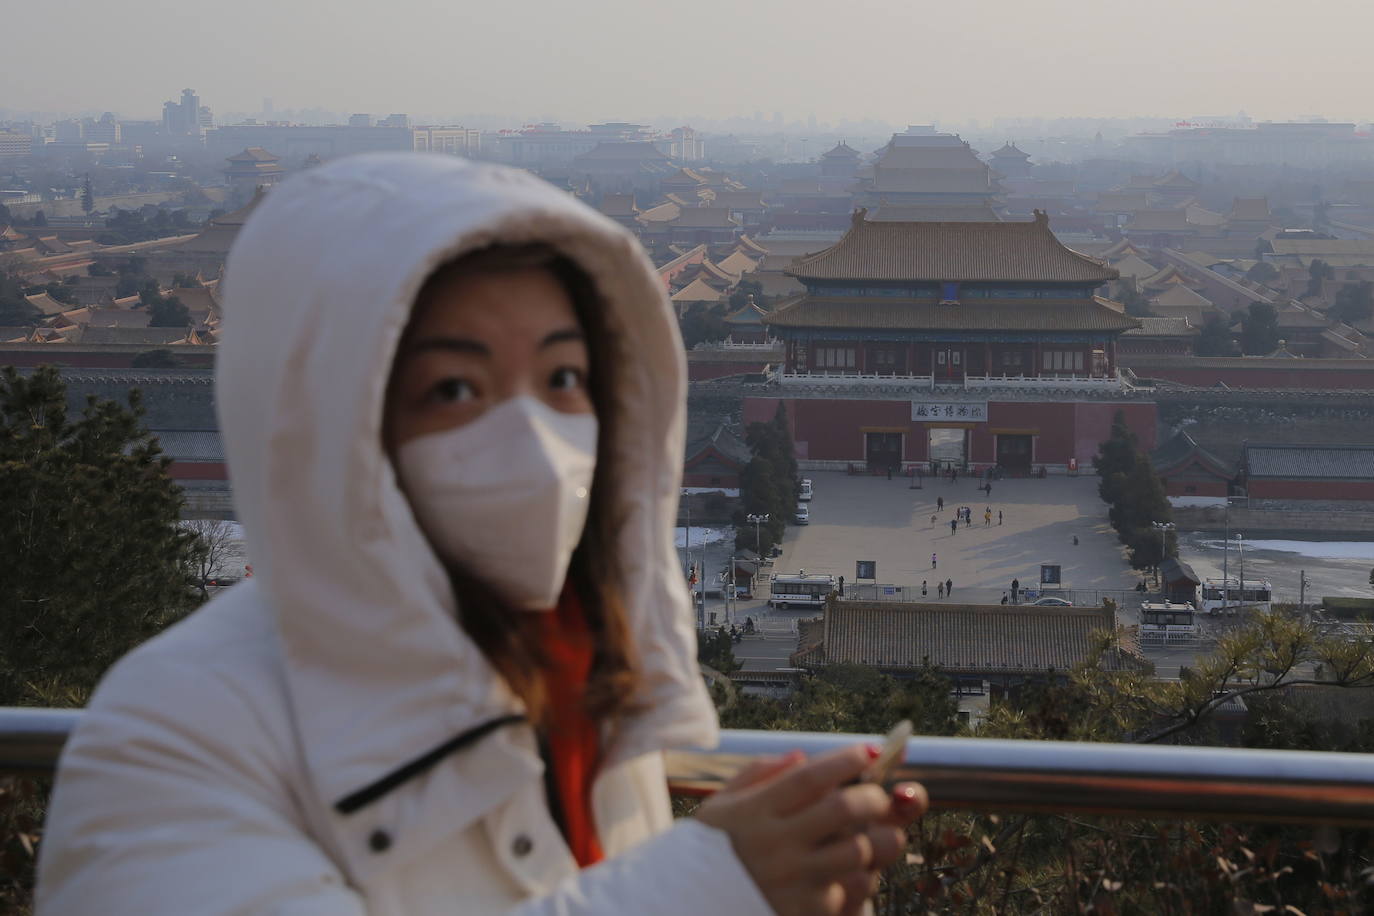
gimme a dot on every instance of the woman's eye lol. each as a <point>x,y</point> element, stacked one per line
<point>566,379</point>
<point>450,390</point>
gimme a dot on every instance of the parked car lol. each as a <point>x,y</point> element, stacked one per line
<point>803,516</point>
<point>1053,602</point>
<point>805,494</point>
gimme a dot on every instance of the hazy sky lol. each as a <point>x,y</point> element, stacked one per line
<point>903,61</point>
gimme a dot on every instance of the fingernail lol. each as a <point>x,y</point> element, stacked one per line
<point>874,752</point>
<point>906,794</point>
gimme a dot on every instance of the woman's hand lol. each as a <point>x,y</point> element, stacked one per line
<point>813,842</point>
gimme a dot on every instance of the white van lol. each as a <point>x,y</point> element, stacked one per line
<point>803,514</point>
<point>805,494</point>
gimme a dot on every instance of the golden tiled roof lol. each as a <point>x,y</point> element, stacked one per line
<point>809,311</point>
<point>963,638</point>
<point>951,251</point>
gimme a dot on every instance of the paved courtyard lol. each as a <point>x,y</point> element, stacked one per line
<point>873,518</point>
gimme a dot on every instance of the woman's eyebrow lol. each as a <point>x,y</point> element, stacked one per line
<point>457,344</point>
<point>567,334</point>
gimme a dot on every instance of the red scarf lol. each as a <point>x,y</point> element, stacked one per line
<point>573,740</point>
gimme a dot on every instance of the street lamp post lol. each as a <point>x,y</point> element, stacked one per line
<point>758,543</point>
<point>1240,558</point>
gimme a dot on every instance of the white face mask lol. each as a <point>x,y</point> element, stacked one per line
<point>506,496</point>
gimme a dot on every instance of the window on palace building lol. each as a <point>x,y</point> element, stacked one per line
<point>835,357</point>
<point>1063,361</point>
<point>885,358</point>
<point>1011,359</point>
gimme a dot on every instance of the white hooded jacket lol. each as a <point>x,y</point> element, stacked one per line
<point>324,738</point>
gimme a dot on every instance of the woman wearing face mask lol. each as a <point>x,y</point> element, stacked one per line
<point>453,405</point>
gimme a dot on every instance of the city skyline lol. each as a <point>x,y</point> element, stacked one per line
<point>887,61</point>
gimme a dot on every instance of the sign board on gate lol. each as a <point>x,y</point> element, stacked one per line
<point>1049,574</point>
<point>961,411</point>
<point>865,569</point>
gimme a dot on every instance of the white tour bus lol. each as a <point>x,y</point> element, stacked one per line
<point>799,590</point>
<point>1220,596</point>
<point>1162,620</point>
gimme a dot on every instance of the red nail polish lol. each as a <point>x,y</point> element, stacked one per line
<point>904,794</point>
<point>874,752</point>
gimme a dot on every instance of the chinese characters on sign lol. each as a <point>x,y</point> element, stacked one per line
<point>965,411</point>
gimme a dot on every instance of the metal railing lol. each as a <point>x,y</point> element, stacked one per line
<point>980,774</point>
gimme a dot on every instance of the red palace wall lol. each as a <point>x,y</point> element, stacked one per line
<point>1241,372</point>
<point>198,470</point>
<point>833,430</point>
<point>699,371</point>
<point>1310,489</point>
<point>1201,486</point>
<point>28,355</point>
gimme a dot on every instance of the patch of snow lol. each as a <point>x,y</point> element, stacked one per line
<point>1329,550</point>
<point>1184,502</point>
<point>701,536</point>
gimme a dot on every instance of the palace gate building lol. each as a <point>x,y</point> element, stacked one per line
<point>958,343</point>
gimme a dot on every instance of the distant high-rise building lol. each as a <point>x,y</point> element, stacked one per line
<point>456,141</point>
<point>104,130</point>
<point>185,118</point>
<point>395,120</point>
<point>360,120</point>
<point>15,145</point>
<point>69,131</point>
<point>205,119</point>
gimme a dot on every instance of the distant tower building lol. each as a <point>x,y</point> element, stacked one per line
<point>395,120</point>
<point>360,120</point>
<point>205,119</point>
<point>251,169</point>
<point>842,162</point>
<point>1011,162</point>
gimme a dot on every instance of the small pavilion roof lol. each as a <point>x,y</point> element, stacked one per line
<point>698,291</point>
<point>1177,295</point>
<point>1176,180</point>
<point>1133,265</point>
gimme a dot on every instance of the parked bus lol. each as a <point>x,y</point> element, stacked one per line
<point>1162,620</point>
<point>799,590</point>
<point>1224,596</point>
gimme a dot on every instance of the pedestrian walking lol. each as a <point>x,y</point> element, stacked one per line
<point>953,527</point>
<point>889,472</point>
<point>999,516</point>
<point>1004,597</point>
<point>932,561</point>
<point>923,586</point>
<point>949,586</point>
<point>932,521</point>
<point>988,488</point>
<point>939,504</point>
<point>939,589</point>
<point>1015,588</point>
<point>987,519</point>
<point>953,475</point>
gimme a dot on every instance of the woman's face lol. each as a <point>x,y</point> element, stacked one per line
<point>479,338</point>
